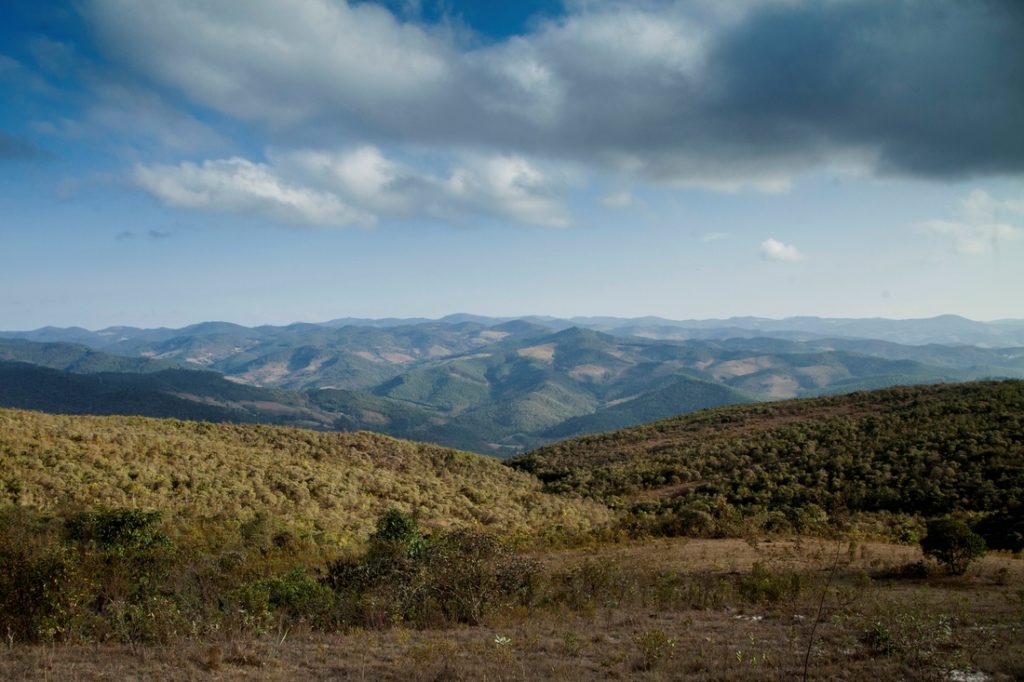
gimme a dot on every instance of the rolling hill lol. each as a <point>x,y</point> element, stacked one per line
<point>924,450</point>
<point>173,393</point>
<point>325,483</point>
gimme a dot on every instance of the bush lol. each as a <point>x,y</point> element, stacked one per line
<point>36,600</point>
<point>653,646</point>
<point>1003,529</point>
<point>454,577</point>
<point>953,544</point>
<point>761,586</point>
<point>116,530</point>
<point>468,574</point>
<point>292,595</point>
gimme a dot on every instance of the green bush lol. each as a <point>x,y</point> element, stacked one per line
<point>952,543</point>
<point>292,595</point>
<point>761,586</point>
<point>116,530</point>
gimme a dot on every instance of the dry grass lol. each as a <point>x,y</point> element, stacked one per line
<point>335,483</point>
<point>936,628</point>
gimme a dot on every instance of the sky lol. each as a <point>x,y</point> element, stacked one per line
<point>165,162</point>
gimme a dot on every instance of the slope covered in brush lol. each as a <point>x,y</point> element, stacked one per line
<point>921,450</point>
<point>324,483</point>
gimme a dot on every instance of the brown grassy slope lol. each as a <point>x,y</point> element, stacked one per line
<point>334,483</point>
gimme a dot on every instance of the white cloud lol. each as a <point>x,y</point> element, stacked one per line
<point>362,185</point>
<point>237,185</point>
<point>618,200</point>
<point>984,223</point>
<point>511,186</point>
<point>773,249</point>
<point>363,175</point>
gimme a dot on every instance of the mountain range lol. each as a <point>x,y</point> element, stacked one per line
<point>491,385</point>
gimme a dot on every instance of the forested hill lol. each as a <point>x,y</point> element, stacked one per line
<point>919,450</point>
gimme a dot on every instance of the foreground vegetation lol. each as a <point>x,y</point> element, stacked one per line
<point>464,606</point>
<point>167,549</point>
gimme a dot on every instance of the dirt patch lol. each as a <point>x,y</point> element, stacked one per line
<point>739,368</point>
<point>545,352</point>
<point>270,373</point>
<point>436,351</point>
<point>592,372</point>
<point>397,358</point>
<point>822,375</point>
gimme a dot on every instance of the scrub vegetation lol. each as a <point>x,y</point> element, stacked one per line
<point>161,548</point>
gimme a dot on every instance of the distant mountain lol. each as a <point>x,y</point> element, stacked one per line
<point>177,393</point>
<point>497,389</point>
<point>943,329</point>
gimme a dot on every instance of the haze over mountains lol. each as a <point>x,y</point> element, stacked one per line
<point>493,385</point>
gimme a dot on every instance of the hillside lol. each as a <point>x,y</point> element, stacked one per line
<point>325,483</point>
<point>76,358</point>
<point>498,389</point>
<point>924,450</point>
<point>168,393</point>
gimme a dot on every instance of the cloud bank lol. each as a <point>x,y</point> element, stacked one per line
<point>727,95</point>
<point>714,93</point>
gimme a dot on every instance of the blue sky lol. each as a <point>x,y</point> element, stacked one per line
<point>163,163</point>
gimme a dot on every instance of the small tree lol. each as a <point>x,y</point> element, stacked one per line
<point>953,544</point>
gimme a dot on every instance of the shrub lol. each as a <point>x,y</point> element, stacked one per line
<point>653,646</point>
<point>36,600</point>
<point>468,574</point>
<point>293,595</point>
<point>952,543</point>
<point>454,577</point>
<point>116,530</point>
<point>1003,529</point>
<point>914,570</point>
<point>761,586</point>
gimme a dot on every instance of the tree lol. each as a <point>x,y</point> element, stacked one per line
<point>952,543</point>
